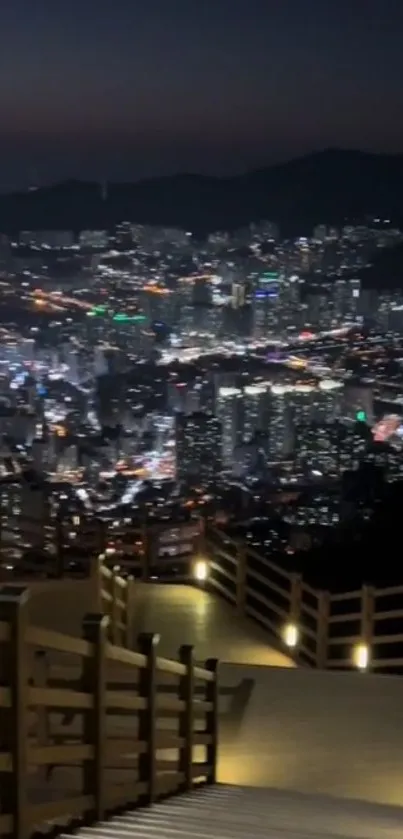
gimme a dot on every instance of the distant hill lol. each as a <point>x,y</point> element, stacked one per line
<point>386,270</point>
<point>327,187</point>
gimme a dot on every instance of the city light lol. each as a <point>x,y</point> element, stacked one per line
<point>242,392</point>
<point>123,318</point>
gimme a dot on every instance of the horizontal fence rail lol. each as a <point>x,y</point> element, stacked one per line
<point>361,628</point>
<point>88,727</point>
<point>163,550</point>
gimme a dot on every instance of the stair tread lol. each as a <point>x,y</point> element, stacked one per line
<point>225,812</point>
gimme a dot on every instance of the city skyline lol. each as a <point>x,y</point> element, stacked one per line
<point>142,90</point>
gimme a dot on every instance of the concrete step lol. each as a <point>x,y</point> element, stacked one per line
<point>223,812</point>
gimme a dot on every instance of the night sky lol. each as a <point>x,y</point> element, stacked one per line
<point>132,88</point>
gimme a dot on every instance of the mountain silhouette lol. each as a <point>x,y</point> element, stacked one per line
<point>329,187</point>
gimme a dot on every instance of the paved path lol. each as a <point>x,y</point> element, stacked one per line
<point>184,614</point>
<point>179,614</point>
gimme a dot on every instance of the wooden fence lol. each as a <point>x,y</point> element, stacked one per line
<point>73,750</point>
<point>362,628</point>
<point>113,596</point>
<point>162,549</point>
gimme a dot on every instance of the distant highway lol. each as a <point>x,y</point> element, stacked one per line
<point>57,300</point>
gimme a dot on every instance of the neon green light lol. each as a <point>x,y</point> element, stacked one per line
<point>361,416</point>
<point>269,277</point>
<point>122,318</point>
<point>97,310</point>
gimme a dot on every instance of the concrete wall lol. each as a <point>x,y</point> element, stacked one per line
<point>314,732</point>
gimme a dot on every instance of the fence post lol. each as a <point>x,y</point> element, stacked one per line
<point>96,583</point>
<point>147,644</point>
<point>186,720</point>
<point>211,695</point>
<point>146,548</point>
<point>115,611</point>
<point>322,631</point>
<point>14,610</point>
<point>40,680</point>
<point>59,546</point>
<point>102,541</point>
<point>367,614</point>
<point>95,628</point>
<point>129,606</point>
<point>295,598</point>
<point>241,578</point>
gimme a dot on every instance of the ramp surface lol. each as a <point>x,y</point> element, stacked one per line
<point>314,732</point>
<point>187,615</point>
<point>237,813</point>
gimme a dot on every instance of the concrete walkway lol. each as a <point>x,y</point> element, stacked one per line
<point>313,732</point>
<point>183,614</point>
<point>179,614</point>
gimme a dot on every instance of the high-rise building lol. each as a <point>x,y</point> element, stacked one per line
<point>100,363</point>
<point>328,401</point>
<point>346,299</point>
<point>229,411</point>
<point>302,403</point>
<point>198,448</point>
<point>255,410</point>
<point>280,427</point>
<point>353,299</point>
<point>266,303</point>
<point>238,295</point>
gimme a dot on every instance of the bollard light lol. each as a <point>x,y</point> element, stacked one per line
<point>361,656</point>
<point>291,635</point>
<point>200,570</point>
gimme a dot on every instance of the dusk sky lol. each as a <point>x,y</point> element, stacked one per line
<point>132,88</point>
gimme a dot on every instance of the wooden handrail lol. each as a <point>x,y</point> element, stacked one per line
<point>277,598</point>
<point>325,622</point>
<point>88,690</point>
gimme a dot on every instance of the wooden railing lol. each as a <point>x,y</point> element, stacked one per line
<point>163,550</point>
<point>113,596</point>
<point>118,728</point>
<point>362,628</point>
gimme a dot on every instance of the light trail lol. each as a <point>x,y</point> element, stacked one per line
<point>56,298</point>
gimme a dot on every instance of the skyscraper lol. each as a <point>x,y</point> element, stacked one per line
<point>198,448</point>
<point>229,410</point>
